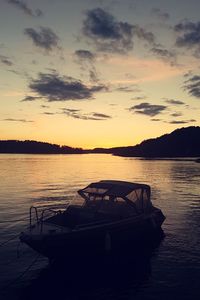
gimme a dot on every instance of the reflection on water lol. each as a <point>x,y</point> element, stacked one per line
<point>171,270</point>
<point>109,277</point>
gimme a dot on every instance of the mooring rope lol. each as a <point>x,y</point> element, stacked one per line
<point>7,241</point>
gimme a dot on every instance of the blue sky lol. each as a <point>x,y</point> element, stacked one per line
<point>98,73</point>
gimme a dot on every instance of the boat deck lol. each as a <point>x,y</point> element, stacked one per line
<point>48,228</point>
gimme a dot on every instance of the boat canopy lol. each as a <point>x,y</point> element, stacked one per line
<point>114,189</point>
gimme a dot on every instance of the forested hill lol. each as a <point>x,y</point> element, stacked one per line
<point>33,147</point>
<point>184,142</point>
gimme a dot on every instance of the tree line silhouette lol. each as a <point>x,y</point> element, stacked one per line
<point>183,142</point>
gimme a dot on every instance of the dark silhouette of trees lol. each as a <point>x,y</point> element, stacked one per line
<point>183,142</point>
<point>33,147</point>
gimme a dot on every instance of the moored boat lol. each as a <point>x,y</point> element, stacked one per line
<point>112,214</point>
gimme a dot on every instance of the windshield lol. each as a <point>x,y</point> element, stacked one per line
<point>117,194</point>
<point>141,198</point>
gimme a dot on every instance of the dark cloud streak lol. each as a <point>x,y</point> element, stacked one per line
<point>85,54</point>
<point>156,120</point>
<point>174,102</point>
<point>176,114</point>
<point>30,98</point>
<point>49,113</point>
<point>192,86</point>
<point>21,5</point>
<point>6,61</point>
<point>76,114</point>
<point>148,109</point>
<point>128,88</point>
<point>181,121</point>
<point>165,55</point>
<point>17,120</point>
<point>44,38</point>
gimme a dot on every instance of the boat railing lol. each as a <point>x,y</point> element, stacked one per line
<point>41,214</point>
<point>35,209</point>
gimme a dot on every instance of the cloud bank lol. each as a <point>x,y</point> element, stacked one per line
<point>111,35</point>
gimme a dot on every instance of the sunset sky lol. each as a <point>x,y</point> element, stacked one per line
<point>98,73</point>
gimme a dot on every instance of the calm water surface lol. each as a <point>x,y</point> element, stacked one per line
<point>171,271</point>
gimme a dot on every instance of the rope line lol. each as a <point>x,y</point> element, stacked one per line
<point>12,238</point>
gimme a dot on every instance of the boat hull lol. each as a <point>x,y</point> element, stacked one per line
<point>93,239</point>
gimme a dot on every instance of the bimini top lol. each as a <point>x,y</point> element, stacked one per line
<point>113,188</point>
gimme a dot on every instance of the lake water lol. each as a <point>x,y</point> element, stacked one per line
<point>172,271</point>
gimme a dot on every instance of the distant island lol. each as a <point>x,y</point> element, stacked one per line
<point>33,147</point>
<point>183,142</point>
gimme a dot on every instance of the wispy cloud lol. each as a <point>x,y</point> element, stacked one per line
<point>101,116</point>
<point>148,109</point>
<point>139,98</point>
<point>23,6</point>
<point>176,114</point>
<point>132,88</point>
<point>182,121</point>
<point>162,15</point>
<point>86,60</point>
<point>44,106</point>
<point>156,120</point>
<point>30,98</point>
<point>54,87</point>
<point>192,86</point>
<point>174,102</point>
<point>18,120</point>
<point>84,54</point>
<point>77,114</point>
<point>6,60</point>
<point>49,113</point>
<point>165,55</point>
<point>43,38</point>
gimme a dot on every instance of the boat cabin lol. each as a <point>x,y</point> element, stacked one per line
<point>112,196</point>
<point>105,201</point>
